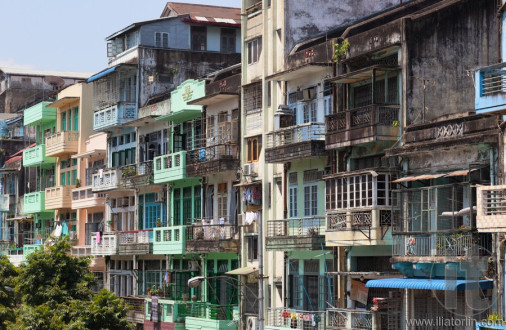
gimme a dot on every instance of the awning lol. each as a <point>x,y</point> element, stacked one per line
<point>244,184</point>
<point>25,218</point>
<point>63,102</point>
<point>243,271</point>
<point>362,74</point>
<point>90,153</point>
<point>214,98</point>
<point>429,284</point>
<point>102,74</point>
<point>433,176</point>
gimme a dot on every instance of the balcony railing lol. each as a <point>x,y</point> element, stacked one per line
<point>212,159</point>
<point>136,237</point>
<point>36,156</point>
<point>169,240</point>
<point>106,244</point>
<point>362,124</point>
<point>59,197</point>
<point>210,232</point>
<point>434,245</point>
<point>106,179</point>
<point>113,116</point>
<point>137,174</point>
<point>34,202</point>
<point>296,134</point>
<point>312,226</point>
<point>61,143</point>
<point>170,167</point>
<point>295,319</point>
<point>340,318</point>
<point>84,197</point>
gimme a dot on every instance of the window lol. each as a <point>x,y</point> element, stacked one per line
<point>227,40</point>
<point>254,146</point>
<point>310,112</point>
<point>253,98</point>
<point>252,248</point>
<point>161,40</point>
<point>199,37</point>
<point>311,200</point>
<point>292,190</point>
<point>76,119</point>
<point>63,121</point>
<point>254,50</point>
<point>222,200</point>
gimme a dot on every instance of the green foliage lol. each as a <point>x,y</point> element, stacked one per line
<point>8,274</point>
<point>55,276</point>
<point>55,293</point>
<point>340,50</point>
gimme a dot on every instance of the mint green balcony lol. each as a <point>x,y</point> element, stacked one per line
<point>31,248</point>
<point>169,240</point>
<point>171,167</point>
<point>39,114</point>
<point>180,110</point>
<point>35,202</point>
<point>36,156</point>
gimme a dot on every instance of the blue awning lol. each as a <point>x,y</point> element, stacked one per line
<point>102,74</point>
<point>429,284</point>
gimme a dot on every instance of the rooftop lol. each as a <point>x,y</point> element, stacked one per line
<point>29,72</point>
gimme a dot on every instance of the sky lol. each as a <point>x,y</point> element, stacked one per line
<point>69,35</point>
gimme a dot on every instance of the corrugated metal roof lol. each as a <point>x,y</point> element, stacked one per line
<point>29,72</point>
<point>433,176</point>
<point>102,73</point>
<point>429,284</point>
<point>198,10</point>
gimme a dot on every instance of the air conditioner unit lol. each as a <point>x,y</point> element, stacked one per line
<point>308,94</point>
<point>160,197</point>
<point>249,170</point>
<point>251,323</point>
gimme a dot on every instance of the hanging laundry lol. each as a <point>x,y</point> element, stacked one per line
<point>97,235</point>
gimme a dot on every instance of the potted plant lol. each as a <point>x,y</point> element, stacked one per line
<point>78,183</point>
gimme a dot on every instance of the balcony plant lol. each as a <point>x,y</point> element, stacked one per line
<point>128,172</point>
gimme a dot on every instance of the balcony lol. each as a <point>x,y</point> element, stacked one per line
<point>491,212</point>
<point>180,109</point>
<point>114,116</point>
<point>62,143</point>
<point>350,228</point>
<point>282,318</point>
<point>137,312</point>
<point>296,234</point>
<point>212,160</point>
<point>36,156</point>
<point>15,256</point>
<point>136,175</point>
<point>170,168</point>
<point>106,179</point>
<point>169,240</point>
<point>370,123</point>
<point>97,263</point>
<point>34,202</point>
<point>212,237</point>
<point>490,89</point>
<point>342,318</point>
<point>104,245</point>
<point>295,142</point>
<point>84,197</point>
<point>5,203</point>
<point>59,197</point>
<point>212,317</point>
<point>39,114</point>
<point>135,242</point>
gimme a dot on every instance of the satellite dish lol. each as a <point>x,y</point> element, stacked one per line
<point>54,80</point>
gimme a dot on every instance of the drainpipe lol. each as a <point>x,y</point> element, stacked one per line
<point>501,294</point>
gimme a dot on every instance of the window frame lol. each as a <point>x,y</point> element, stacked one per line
<point>254,50</point>
<point>253,153</point>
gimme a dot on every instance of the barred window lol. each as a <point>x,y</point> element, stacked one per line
<point>253,98</point>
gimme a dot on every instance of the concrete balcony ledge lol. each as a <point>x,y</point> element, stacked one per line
<point>114,116</point>
<point>34,202</point>
<point>84,197</point>
<point>169,240</point>
<point>62,143</point>
<point>106,179</point>
<point>59,197</point>
<point>36,156</point>
<point>169,168</point>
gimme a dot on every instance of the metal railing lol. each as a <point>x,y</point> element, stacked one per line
<point>295,134</point>
<point>106,179</point>
<point>371,114</point>
<point>311,226</point>
<point>61,137</point>
<point>206,154</point>
<point>353,220</point>
<point>136,236</point>
<point>210,232</point>
<point>433,245</point>
<point>493,82</point>
<point>295,319</point>
<point>341,318</point>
